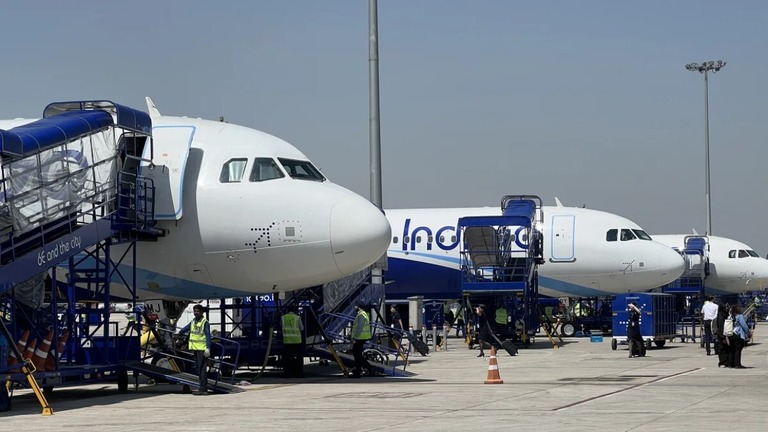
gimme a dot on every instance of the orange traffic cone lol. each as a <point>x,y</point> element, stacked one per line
<point>41,353</point>
<point>30,351</point>
<point>493,370</point>
<point>21,345</point>
<point>50,362</point>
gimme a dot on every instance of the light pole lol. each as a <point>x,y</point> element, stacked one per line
<point>705,68</point>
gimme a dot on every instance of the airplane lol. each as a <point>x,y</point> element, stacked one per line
<point>243,213</point>
<point>734,267</point>
<point>589,253</point>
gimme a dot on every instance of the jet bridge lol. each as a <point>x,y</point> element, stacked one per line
<point>65,198</point>
<point>499,258</point>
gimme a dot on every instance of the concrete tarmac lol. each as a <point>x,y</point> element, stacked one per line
<point>581,386</point>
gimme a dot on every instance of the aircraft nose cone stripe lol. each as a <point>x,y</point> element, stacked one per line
<point>360,234</point>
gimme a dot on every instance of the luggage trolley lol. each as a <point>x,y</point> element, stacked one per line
<point>657,318</point>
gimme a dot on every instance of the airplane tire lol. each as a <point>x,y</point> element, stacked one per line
<point>614,344</point>
<point>660,343</point>
<point>568,329</point>
<point>648,344</point>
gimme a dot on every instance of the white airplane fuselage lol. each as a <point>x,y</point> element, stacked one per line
<point>734,266</point>
<point>580,261</point>
<point>232,230</point>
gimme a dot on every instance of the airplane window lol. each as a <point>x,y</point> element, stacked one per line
<point>301,170</point>
<point>442,239</point>
<point>265,169</point>
<point>453,239</point>
<point>743,254</point>
<point>642,235</point>
<point>233,170</point>
<point>611,235</point>
<point>418,239</point>
<point>753,254</point>
<point>732,254</point>
<point>626,235</point>
<point>429,239</point>
<point>406,239</point>
<point>394,239</point>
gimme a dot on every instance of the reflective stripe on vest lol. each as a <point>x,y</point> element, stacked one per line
<point>291,329</point>
<point>197,335</point>
<point>365,333</point>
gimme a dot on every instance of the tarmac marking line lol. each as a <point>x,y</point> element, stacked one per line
<point>632,387</point>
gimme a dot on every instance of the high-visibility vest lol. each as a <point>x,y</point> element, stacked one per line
<point>291,329</point>
<point>501,315</point>
<point>197,335</point>
<point>365,333</point>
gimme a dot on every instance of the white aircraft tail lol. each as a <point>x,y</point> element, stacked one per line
<point>152,108</point>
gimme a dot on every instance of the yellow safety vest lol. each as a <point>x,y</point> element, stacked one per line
<point>579,311</point>
<point>365,333</point>
<point>197,335</point>
<point>291,329</point>
<point>501,315</point>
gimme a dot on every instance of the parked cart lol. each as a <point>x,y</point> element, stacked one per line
<point>657,318</point>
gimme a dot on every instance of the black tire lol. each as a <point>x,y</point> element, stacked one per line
<point>648,344</point>
<point>568,329</point>
<point>614,344</point>
<point>660,343</point>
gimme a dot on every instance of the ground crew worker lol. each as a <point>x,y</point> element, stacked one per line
<point>709,312</point>
<point>200,345</point>
<point>293,348</point>
<point>361,333</point>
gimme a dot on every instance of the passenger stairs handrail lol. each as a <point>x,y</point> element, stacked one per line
<point>378,331</point>
<point>224,345</point>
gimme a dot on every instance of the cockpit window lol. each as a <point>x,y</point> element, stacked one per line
<point>233,170</point>
<point>611,235</point>
<point>265,169</point>
<point>743,253</point>
<point>753,254</point>
<point>626,235</point>
<point>642,235</point>
<point>732,254</point>
<point>301,170</point>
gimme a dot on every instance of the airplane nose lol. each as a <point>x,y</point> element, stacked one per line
<point>360,234</point>
<point>671,265</point>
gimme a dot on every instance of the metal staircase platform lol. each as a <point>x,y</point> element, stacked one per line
<point>171,375</point>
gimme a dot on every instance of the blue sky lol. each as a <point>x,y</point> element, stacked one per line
<point>588,101</point>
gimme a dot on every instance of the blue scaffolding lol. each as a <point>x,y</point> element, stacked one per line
<point>68,192</point>
<point>499,259</point>
<point>688,289</point>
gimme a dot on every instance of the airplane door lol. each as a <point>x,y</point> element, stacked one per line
<point>171,149</point>
<point>562,238</point>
